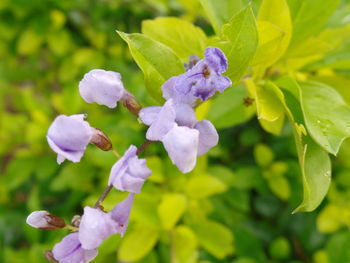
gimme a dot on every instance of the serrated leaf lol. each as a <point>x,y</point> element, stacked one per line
<point>220,12</point>
<point>171,209</point>
<point>215,238</point>
<point>239,42</point>
<point>157,61</point>
<point>137,244</point>
<point>184,38</point>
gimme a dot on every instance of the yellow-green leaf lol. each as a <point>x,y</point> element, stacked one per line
<point>275,31</point>
<point>157,61</point>
<point>239,42</point>
<point>184,38</point>
<point>171,209</point>
<point>215,238</point>
<point>137,243</point>
<point>220,12</point>
<point>203,186</point>
<point>185,244</point>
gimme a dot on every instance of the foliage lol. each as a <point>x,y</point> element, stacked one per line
<point>288,59</point>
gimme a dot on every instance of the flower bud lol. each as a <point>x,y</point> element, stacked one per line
<point>44,220</point>
<point>76,220</point>
<point>101,140</point>
<point>49,256</point>
<point>131,103</point>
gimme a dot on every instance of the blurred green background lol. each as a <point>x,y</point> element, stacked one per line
<point>234,207</point>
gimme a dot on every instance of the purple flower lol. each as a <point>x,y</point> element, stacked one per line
<point>169,92</point>
<point>129,173</point>
<point>181,143</point>
<point>202,80</point>
<point>68,136</point>
<point>103,87</point>
<point>96,225</point>
<point>121,212</point>
<point>44,220</point>
<point>183,137</point>
<point>69,250</point>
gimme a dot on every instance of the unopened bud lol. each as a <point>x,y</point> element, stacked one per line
<point>131,103</point>
<point>76,220</point>
<point>101,140</point>
<point>192,61</point>
<point>44,220</point>
<point>49,256</point>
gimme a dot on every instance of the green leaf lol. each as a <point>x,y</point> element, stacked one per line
<point>215,238</point>
<point>327,116</point>
<point>270,110</point>
<point>228,109</point>
<point>157,62</point>
<point>203,186</point>
<point>167,214</point>
<point>246,240</point>
<point>220,12</point>
<point>280,248</point>
<point>263,155</point>
<point>137,244</point>
<point>240,40</point>
<point>275,31</point>
<point>185,244</point>
<point>311,17</point>
<point>29,42</point>
<point>314,162</point>
<point>338,248</point>
<point>182,37</point>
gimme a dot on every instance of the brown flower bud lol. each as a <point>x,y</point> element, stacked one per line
<point>131,103</point>
<point>44,220</point>
<point>101,140</point>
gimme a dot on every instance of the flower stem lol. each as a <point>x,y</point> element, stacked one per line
<point>103,196</point>
<point>116,153</point>
<point>72,228</point>
<point>143,147</point>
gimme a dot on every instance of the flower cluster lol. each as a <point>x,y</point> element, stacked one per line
<point>174,124</point>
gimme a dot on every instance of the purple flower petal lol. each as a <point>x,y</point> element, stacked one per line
<point>163,123</point>
<point>37,219</point>
<point>95,226</point>
<point>44,220</point>
<point>185,115</point>
<point>181,143</point>
<point>121,212</point>
<point>68,136</point>
<point>101,86</point>
<point>169,92</point>
<point>208,136</point>
<point>69,250</point>
<point>129,173</point>
<point>216,59</point>
<point>149,114</point>
<point>203,79</point>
